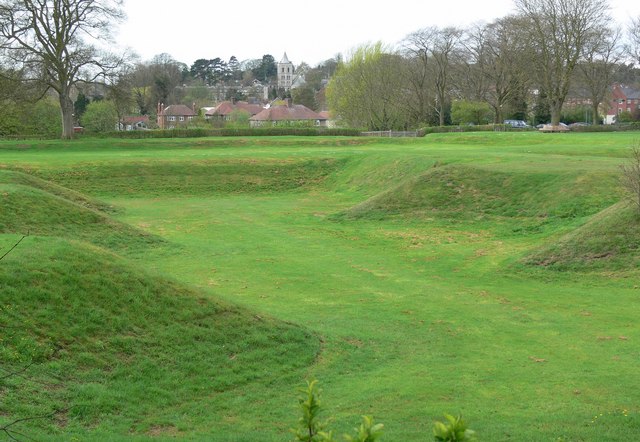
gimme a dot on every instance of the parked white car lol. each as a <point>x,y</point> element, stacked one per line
<point>516,123</point>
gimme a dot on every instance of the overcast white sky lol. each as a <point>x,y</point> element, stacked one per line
<point>307,31</point>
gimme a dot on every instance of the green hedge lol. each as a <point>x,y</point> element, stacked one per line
<point>467,128</point>
<point>244,132</point>
<point>622,127</point>
<point>506,128</point>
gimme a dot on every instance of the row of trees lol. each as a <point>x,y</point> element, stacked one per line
<point>46,44</point>
<point>165,80</point>
<point>56,48</point>
<point>528,62</point>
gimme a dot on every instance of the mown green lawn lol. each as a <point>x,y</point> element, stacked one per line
<point>407,258</point>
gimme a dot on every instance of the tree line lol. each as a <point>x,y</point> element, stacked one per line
<point>523,66</point>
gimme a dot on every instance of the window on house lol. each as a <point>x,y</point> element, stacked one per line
<point>171,118</point>
<point>181,118</point>
<point>190,118</point>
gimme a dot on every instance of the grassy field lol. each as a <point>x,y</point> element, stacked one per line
<point>186,288</point>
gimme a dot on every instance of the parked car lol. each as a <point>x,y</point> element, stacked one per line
<point>516,123</point>
<point>540,126</point>
<point>561,127</point>
<point>579,124</point>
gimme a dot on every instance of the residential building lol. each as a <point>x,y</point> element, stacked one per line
<point>134,123</point>
<point>287,115</point>
<point>175,115</point>
<point>223,111</point>
<point>623,99</point>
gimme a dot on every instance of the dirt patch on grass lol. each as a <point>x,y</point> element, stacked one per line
<point>163,431</point>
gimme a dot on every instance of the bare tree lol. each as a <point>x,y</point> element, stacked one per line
<point>417,78</point>
<point>50,39</point>
<point>436,50</point>
<point>630,176</point>
<point>502,60</point>
<point>472,83</point>
<point>633,45</point>
<point>166,75</point>
<point>600,61</point>
<point>559,30</point>
<point>119,91</point>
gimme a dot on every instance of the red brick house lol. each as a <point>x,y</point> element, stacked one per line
<point>288,114</point>
<point>623,99</point>
<point>223,111</point>
<point>176,115</point>
<point>134,123</point>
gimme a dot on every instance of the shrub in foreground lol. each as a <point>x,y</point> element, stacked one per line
<point>311,428</point>
<point>455,429</point>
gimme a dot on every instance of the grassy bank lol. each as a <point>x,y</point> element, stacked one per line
<point>187,287</point>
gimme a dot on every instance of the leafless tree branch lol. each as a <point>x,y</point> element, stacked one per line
<point>53,38</point>
<point>630,176</point>
<point>14,246</point>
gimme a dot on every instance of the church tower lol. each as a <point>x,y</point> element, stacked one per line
<point>285,73</point>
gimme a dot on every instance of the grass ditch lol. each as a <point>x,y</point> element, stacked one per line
<point>114,345</point>
<point>464,192</point>
<point>157,178</point>
<point>29,210</point>
<point>417,298</point>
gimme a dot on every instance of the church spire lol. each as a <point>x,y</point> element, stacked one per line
<point>285,73</point>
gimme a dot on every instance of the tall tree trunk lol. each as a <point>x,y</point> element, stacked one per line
<point>498,113</point>
<point>594,109</point>
<point>66,109</point>
<point>441,109</point>
<point>556,111</point>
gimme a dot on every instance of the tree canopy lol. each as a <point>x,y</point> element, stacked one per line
<point>53,43</point>
<point>559,31</point>
<point>366,88</point>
